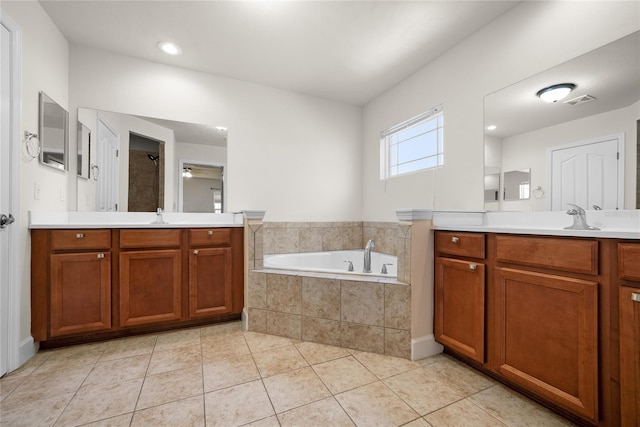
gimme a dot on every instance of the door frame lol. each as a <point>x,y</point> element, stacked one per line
<point>181,164</point>
<point>12,304</point>
<point>621,149</point>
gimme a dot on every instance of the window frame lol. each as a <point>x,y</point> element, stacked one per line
<point>386,143</point>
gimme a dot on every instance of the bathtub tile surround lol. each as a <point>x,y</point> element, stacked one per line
<point>378,315</point>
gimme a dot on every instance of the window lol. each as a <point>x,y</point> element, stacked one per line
<point>413,145</point>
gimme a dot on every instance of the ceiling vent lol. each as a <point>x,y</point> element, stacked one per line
<point>580,100</point>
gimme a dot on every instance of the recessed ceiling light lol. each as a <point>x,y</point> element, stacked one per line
<point>555,93</point>
<point>170,48</point>
<point>492,127</point>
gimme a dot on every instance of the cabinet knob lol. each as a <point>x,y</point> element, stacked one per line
<point>79,236</point>
<point>455,239</point>
<point>473,267</point>
<point>195,252</point>
<point>210,232</point>
<point>635,297</point>
<point>100,256</point>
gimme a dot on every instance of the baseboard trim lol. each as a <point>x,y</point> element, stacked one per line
<point>424,347</point>
<point>28,348</point>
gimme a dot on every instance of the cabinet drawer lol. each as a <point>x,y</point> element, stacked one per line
<point>210,237</point>
<point>629,261</point>
<point>573,255</point>
<point>80,239</point>
<point>463,244</point>
<point>150,238</point>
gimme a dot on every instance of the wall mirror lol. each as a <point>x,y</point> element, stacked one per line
<point>522,131</point>
<point>491,185</point>
<point>135,160</point>
<point>54,134</point>
<point>84,148</point>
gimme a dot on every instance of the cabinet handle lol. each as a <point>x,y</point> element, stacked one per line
<point>635,297</point>
<point>210,233</point>
<point>473,267</point>
<point>455,239</point>
<point>79,236</point>
<point>195,252</point>
<point>100,256</point>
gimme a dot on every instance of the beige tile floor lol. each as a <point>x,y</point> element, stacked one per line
<point>221,376</point>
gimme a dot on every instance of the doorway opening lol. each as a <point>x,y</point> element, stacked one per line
<point>146,174</point>
<point>201,187</point>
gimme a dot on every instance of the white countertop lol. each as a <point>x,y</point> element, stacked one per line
<point>68,219</point>
<point>616,224</point>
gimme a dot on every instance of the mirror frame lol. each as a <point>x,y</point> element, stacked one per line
<point>44,138</point>
<point>84,151</point>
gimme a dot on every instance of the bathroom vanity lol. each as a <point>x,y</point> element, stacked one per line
<point>97,281</point>
<point>554,313</point>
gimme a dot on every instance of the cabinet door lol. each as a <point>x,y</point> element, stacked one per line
<point>546,337</point>
<point>150,284</point>
<point>210,282</point>
<point>80,293</point>
<point>630,356</point>
<point>459,306</point>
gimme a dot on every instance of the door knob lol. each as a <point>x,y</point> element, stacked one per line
<point>6,220</point>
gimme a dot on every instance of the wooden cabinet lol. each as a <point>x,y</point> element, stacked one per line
<point>150,279</point>
<point>459,322</point>
<point>210,272</point>
<point>89,284</point>
<point>210,284</point>
<point>72,273</point>
<point>630,355</point>
<point>150,287</point>
<point>79,306</point>
<point>629,326</point>
<point>527,309</point>
<point>546,337</point>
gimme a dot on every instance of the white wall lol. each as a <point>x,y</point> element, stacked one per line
<point>528,39</point>
<point>530,150</point>
<point>298,157</point>
<point>45,67</point>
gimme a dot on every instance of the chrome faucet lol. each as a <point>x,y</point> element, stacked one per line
<point>579,219</point>
<point>159,219</point>
<point>367,256</point>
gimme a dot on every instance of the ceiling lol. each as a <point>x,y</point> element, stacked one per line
<point>348,51</point>
<point>610,74</point>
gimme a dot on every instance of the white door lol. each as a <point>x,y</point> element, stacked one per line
<point>107,162</point>
<point>9,185</point>
<point>587,174</point>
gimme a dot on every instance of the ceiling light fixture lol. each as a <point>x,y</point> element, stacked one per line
<point>186,173</point>
<point>170,48</point>
<point>492,127</point>
<point>555,93</point>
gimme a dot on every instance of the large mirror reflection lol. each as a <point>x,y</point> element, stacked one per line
<point>135,162</point>
<point>581,149</point>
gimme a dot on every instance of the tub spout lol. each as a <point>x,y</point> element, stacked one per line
<point>367,256</point>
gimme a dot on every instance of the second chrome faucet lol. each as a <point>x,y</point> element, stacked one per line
<point>367,256</point>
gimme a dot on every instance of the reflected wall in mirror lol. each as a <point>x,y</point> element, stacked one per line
<point>54,134</point>
<point>202,187</point>
<point>605,104</point>
<point>517,184</point>
<point>84,147</point>
<point>491,185</point>
<point>118,162</point>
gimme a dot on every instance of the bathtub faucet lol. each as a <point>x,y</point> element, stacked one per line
<point>367,256</point>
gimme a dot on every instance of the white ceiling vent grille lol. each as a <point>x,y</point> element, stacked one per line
<point>580,100</point>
